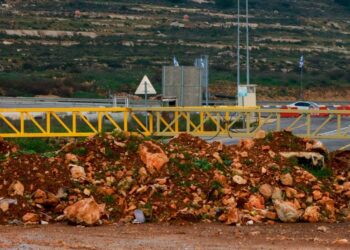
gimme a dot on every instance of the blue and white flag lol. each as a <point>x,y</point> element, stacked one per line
<point>202,63</point>
<point>301,62</point>
<point>176,63</point>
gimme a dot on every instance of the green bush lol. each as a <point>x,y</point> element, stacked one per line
<point>35,145</point>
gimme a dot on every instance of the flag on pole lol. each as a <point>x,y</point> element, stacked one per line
<point>176,63</point>
<point>202,63</point>
<point>301,62</point>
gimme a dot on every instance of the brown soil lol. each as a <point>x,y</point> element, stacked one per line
<point>165,236</point>
<point>197,183</point>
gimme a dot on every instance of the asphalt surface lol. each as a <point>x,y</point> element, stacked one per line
<point>182,236</point>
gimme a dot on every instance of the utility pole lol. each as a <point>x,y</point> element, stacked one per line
<point>247,41</point>
<point>238,48</point>
<point>146,104</point>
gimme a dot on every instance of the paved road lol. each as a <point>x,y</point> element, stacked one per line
<point>182,236</point>
<point>33,102</point>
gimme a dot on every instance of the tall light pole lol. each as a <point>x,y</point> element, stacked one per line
<point>238,48</point>
<point>247,41</point>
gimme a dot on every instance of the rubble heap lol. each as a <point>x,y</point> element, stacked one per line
<point>123,178</point>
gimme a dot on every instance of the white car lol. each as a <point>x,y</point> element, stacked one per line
<point>304,105</point>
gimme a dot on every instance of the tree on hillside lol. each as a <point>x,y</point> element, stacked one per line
<point>177,1</point>
<point>224,3</point>
<point>343,2</point>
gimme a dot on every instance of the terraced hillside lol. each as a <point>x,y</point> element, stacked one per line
<point>86,48</point>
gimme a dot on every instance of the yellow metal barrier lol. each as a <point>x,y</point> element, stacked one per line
<point>224,121</point>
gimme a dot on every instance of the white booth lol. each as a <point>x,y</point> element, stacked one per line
<point>247,95</point>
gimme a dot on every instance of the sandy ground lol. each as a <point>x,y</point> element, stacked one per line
<point>164,236</point>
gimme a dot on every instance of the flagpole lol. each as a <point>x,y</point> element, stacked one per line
<point>301,84</point>
<point>301,66</point>
<point>238,48</point>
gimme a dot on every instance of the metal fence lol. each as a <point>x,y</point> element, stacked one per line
<point>225,121</point>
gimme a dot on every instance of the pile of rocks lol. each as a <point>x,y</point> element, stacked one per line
<point>117,177</point>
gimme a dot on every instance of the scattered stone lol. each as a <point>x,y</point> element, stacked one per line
<point>314,145</point>
<point>61,193</point>
<point>277,194</point>
<point>317,195</point>
<point>4,206</point>
<point>271,215</point>
<point>322,229</point>
<point>39,196</point>
<point>153,156</point>
<point>233,216</point>
<point>244,154</point>
<point>51,200</point>
<point>266,190</point>
<point>250,223</point>
<point>287,179</point>
<point>272,154</point>
<point>341,242</point>
<point>71,158</point>
<point>247,144</point>
<point>316,159</point>
<point>31,218</point>
<point>43,198</point>
<point>261,134</point>
<point>312,214</point>
<point>77,172</point>
<point>239,180</point>
<point>87,192</point>
<point>16,188</point>
<point>85,211</point>
<point>291,192</point>
<point>216,155</point>
<point>255,202</point>
<point>286,211</point>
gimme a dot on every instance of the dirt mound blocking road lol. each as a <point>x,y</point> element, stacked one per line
<point>110,178</point>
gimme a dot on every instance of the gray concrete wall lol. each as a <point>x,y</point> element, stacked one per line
<point>183,82</point>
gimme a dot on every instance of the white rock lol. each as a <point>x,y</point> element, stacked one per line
<point>77,172</point>
<point>239,180</point>
<point>286,211</point>
<point>277,194</point>
<point>322,229</point>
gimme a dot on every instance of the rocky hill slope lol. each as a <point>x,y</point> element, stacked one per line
<point>85,48</point>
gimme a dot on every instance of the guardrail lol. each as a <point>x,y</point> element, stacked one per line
<point>225,121</point>
<point>108,102</point>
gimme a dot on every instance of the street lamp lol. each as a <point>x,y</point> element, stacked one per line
<point>247,41</point>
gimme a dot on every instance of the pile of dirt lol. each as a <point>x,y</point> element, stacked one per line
<point>123,178</point>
